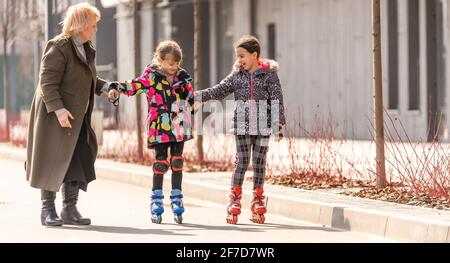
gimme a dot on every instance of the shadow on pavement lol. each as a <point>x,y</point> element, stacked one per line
<point>123,230</point>
<point>243,227</point>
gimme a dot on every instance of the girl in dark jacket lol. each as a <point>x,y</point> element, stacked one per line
<point>259,113</point>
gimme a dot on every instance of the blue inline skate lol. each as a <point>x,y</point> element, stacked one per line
<point>156,206</point>
<point>176,202</point>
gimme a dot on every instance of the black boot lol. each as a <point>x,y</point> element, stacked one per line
<point>69,213</point>
<point>49,217</point>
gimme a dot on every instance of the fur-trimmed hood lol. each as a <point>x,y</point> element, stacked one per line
<point>181,73</point>
<point>266,65</point>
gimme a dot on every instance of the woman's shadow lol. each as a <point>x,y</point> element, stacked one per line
<point>124,230</point>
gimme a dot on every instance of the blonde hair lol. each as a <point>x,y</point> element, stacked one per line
<point>167,47</point>
<point>78,18</point>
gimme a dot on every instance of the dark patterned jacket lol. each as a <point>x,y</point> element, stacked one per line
<point>258,96</point>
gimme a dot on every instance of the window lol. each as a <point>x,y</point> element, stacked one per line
<point>393,91</point>
<point>413,55</point>
<point>271,36</point>
<point>224,31</point>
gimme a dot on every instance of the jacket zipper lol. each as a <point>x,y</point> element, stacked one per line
<point>250,120</point>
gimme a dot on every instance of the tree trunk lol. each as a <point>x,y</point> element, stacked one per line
<point>378,103</point>
<point>49,20</point>
<point>197,71</point>
<point>5,34</point>
<point>137,66</point>
<point>6,87</point>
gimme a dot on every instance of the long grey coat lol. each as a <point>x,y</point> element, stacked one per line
<point>65,80</point>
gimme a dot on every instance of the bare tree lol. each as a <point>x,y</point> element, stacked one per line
<point>137,65</point>
<point>378,103</point>
<point>15,14</point>
<point>197,69</point>
<point>8,25</point>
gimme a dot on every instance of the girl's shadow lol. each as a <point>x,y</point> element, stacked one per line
<point>250,227</point>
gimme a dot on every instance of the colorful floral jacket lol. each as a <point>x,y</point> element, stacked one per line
<point>169,115</point>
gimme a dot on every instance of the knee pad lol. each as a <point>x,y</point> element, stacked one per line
<point>176,162</point>
<point>160,167</point>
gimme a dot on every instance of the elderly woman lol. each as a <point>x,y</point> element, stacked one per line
<point>62,146</point>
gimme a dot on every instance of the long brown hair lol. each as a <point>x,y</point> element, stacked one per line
<point>249,43</point>
<point>168,47</point>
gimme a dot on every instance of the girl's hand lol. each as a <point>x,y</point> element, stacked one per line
<point>63,116</point>
<point>196,105</point>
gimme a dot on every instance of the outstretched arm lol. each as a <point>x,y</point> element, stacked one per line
<point>219,91</point>
<point>100,86</point>
<point>185,83</point>
<point>138,85</point>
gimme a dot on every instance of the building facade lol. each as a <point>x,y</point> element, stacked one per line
<point>324,48</point>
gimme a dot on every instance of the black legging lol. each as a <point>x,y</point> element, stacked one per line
<point>161,152</point>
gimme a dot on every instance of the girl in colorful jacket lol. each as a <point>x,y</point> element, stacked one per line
<point>259,113</point>
<point>169,90</point>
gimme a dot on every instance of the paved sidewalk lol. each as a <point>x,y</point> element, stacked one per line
<point>384,219</point>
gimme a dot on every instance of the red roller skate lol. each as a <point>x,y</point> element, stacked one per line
<point>258,206</point>
<point>234,205</point>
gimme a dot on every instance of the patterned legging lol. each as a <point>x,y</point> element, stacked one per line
<point>258,145</point>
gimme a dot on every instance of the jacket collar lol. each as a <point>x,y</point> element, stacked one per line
<point>88,48</point>
<point>77,41</point>
<point>181,75</point>
<point>265,66</point>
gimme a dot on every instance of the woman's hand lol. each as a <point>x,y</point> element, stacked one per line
<point>113,95</point>
<point>63,116</point>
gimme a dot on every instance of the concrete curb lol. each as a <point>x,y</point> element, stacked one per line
<point>340,215</point>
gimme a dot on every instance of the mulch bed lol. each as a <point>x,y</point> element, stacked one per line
<point>394,192</point>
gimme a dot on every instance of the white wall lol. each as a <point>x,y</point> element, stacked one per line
<point>125,57</point>
<point>125,64</point>
<point>241,10</point>
<point>447,47</point>
<point>324,48</point>
<point>324,51</point>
